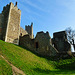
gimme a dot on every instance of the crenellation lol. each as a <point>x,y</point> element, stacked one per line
<point>16,4</point>
<point>5,8</point>
<point>15,8</point>
<point>29,29</point>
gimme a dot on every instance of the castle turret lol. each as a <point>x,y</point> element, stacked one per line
<point>29,29</point>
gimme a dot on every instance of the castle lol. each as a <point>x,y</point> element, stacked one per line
<point>10,31</point>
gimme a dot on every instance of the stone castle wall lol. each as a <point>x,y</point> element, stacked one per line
<point>26,41</point>
<point>23,32</point>
<point>29,30</point>
<point>60,41</point>
<point>13,25</point>
<point>41,44</point>
<point>1,23</point>
<point>5,13</point>
<point>10,29</point>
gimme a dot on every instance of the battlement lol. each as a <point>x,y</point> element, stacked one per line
<point>29,29</point>
<point>5,7</point>
<point>15,7</point>
<point>12,6</point>
<point>27,26</point>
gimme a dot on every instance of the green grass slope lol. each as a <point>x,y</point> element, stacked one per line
<point>32,64</point>
<point>5,69</point>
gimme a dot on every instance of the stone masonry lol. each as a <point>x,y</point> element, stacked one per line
<point>23,32</point>
<point>41,44</point>
<point>29,29</point>
<point>60,41</point>
<point>10,29</point>
<point>1,23</point>
<point>11,23</point>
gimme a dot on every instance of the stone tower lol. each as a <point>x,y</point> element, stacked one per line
<point>10,23</point>
<point>1,23</point>
<point>29,29</point>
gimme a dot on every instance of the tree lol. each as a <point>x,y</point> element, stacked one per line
<point>71,36</point>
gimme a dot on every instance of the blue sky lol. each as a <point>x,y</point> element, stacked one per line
<point>46,15</point>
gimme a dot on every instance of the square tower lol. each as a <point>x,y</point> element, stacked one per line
<point>29,30</point>
<point>60,41</point>
<point>11,26</point>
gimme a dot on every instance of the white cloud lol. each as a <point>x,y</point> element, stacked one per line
<point>34,5</point>
<point>26,9</point>
<point>69,4</point>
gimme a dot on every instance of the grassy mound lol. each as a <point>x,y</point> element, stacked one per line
<point>32,64</point>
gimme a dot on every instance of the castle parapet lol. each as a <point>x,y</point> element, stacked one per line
<point>12,7</point>
<point>15,7</point>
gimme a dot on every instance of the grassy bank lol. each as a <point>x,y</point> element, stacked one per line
<point>32,64</point>
<point>5,69</point>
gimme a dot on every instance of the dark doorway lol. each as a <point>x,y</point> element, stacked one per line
<point>36,44</point>
<point>74,47</point>
<point>20,34</point>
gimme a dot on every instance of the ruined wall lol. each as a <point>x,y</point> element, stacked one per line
<point>1,23</point>
<point>5,13</point>
<point>43,44</point>
<point>29,29</point>
<point>60,41</point>
<point>23,32</point>
<point>27,42</point>
<point>13,25</point>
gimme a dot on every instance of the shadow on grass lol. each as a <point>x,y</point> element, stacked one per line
<point>45,71</point>
<point>53,58</point>
<point>70,66</point>
<point>47,57</point>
